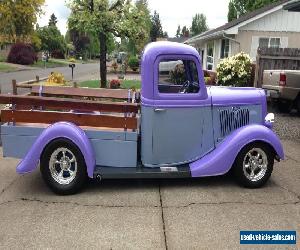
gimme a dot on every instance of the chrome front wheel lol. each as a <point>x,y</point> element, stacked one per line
<point>254,165</point>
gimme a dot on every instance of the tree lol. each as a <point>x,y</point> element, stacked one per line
<point>51,38</point>
<point>237,8</point>
<point>178,32</point>
<point>52,20</point>
<point>199,24</point>
<point>156,28</point>
<point>98,17</point>
<point>143,8</point>
<point>18,18</point>
<point>185,32</point>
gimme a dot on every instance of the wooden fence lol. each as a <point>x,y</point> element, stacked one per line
<point>274,58</point>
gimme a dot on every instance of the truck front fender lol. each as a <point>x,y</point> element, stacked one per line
<point>59,130</point>
<point>221,159</point>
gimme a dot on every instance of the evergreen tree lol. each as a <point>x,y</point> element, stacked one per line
<point>178,32</point>
<point>237,8</point>
<point>156,28</point>
<point>199,24</point>
<point>52,20</point>
<point>185,32</point>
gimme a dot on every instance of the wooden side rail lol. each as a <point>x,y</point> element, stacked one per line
<point>120,94</point>
<point>49,117</point>
<point>68,104</point>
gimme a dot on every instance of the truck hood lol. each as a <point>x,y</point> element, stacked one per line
<point>232,96</point>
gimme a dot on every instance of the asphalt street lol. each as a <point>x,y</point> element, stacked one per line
<point>82,72</point>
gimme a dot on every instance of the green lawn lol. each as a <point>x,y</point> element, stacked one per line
<point>125,84</point>
<point>52,63</point>
<point>6,68</point>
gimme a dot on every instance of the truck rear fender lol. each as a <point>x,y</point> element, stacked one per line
<point>58,130</point>
<point>220,160</point>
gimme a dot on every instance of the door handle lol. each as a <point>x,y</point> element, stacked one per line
<point>159,110</point>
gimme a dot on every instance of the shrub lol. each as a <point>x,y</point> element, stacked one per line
<point>115,66</point>
<point>177,75</point>
<point>133,63</point>
<point>235,70</point>
<point>115,84</point>
<point>58,54</point>
<point>207,80</point>
<point>21,53</point>
<point>72,60</point>
<point>56,78</point>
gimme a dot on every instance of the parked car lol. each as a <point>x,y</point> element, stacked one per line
<point>121,57</point>
<point>185,130</point>
<point>284,87</point>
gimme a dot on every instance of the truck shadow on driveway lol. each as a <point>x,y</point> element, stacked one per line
<point>34,185</point>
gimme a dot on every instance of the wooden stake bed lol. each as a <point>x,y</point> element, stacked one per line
<point>48,110</point>
<point>119,94</point>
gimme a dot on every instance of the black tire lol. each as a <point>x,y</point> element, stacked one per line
<point>79,178</point>
<point>240,172</point>
<point>298,104</point>
<point>284,107</point>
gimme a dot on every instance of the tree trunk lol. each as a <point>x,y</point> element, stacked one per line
<point>103,51</point>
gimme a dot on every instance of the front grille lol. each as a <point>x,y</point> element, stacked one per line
<point>232,119</point>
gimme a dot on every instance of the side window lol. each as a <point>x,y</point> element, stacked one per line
<point>178,76</point>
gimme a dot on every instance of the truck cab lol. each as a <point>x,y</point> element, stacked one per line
<point>176,115</point>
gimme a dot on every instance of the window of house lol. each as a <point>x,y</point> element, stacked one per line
<point>210,56</point>
<point>269,42</point>
<point>225,48</point>
<point>178,76</point>
<point>274,43</point>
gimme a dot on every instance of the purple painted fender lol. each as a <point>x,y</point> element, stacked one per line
<point>220,160</point>
<point>59,130</point>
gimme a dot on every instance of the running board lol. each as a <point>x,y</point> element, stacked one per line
<point>142,172</point>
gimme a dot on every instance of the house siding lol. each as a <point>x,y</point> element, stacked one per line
<point>281,20</point>
<point>249,40</point>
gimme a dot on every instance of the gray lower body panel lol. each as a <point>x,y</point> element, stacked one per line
<point>112,148</point>
<point>142,172</point>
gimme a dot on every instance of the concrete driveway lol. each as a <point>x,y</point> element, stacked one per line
<point>147,214</point>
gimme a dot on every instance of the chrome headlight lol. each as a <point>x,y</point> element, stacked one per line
<point>270,118</point>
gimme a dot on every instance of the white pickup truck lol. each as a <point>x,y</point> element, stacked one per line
<point>284,86</point>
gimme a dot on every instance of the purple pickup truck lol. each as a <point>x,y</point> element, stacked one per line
<point>185,130</point>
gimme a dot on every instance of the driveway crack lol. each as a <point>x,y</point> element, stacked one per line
<point>288,190</point>
<point>291,158</point>
<point>162,216</point>
<point>9,185</point>
<point>161,206</point>
<point>232,203</point>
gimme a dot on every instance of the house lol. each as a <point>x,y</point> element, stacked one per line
<point>276,25</point>
<point>174,39</point>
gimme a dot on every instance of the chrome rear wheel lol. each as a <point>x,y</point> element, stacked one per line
<point>63,166</point>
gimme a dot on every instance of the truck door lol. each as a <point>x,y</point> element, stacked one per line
<point>181,115</point>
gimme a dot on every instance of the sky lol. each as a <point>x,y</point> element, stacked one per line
<point>172,13</point>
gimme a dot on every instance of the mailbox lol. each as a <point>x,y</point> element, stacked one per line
<point>72,66</point>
